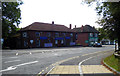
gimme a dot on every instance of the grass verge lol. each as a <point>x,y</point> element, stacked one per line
<point>113,62</point>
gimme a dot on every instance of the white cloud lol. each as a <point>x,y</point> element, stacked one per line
<point>61,11</point>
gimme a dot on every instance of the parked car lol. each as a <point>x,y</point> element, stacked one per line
<point>97,45</point>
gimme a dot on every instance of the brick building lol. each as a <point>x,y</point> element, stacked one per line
<point>86,35</point>
<point>47,35</point>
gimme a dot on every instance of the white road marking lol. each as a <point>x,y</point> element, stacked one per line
<point>92,53</point>
<point>26,63</point>
<point>13,57</point>
<point>9,57</point>
<point>30,53</point>
<point>16,54</point>
<point>80,69</point>
<point>8,69</point>
<point>50,70</point>
<point>55,54</point>
<point>11,61</point>
<point>15,66</point>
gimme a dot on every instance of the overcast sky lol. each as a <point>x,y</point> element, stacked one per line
<point>63,12</point>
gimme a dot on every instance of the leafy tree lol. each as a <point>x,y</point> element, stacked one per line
<point>11,15</point>
<point>110,20</point>
<point>102,34</point>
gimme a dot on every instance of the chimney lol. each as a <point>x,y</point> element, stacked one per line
<point>52,22</point>
<point>75,26</point>
<point>82,25</point>
<point>70,26</point>
<point>82,28</point>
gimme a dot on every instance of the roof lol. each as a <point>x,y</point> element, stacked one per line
<point>39,26</point>
<point>86,28</point>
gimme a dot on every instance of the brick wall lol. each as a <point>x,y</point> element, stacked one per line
<point>81,38</point>
<point>31,35</point>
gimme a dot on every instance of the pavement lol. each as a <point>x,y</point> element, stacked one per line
<point>86,67</point>
<point>74,69</point>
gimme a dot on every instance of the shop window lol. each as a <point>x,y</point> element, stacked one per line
<point>37,43</point>
<point>62,42</point>
<point>56,41</point>
<point>49,41</point>
<point>63,34</point>
<point>56,34</point>
<point>37,34</point>
<point>71,34</point>
<point>48,34</point>
<point>71,40</point>
<point>25,43</point>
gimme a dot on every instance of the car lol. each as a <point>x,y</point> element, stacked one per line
<point>97,45</point>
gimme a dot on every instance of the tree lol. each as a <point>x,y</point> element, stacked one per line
<point>11,15</point>
<point>110,20</point>
<point>102,34</point>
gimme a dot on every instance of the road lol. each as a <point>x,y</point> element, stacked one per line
<point>30,62</point>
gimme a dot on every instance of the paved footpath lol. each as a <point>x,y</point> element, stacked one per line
<point>73,70</point>
<point>83,69</point>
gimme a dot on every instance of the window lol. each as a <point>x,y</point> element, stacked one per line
<point>96,39</point>
<point>37,34</point>
<point>24,34</point>
<point>71,34</point>
<point>76,36</point>
<point>49,41</point>
<point>63,34</point>
<point>92,39</point>
<point>56,34</point>
<point>40,33</point>
<point>62,42</point>
<point>25,43</point>
<point>37,43</point>
<point>71,40</point>
<point>56,41</point>
<point>48,34</point>
<point>91,34</point>
<point>96,35</point>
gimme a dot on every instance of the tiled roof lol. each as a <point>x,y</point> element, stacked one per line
<point>86,28</point>
<point>47,27</point>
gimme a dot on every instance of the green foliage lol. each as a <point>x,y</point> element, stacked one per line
<point>113,62</point>
<point>102,34</point>
<point>11,15</point>
<point>110,20</point>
